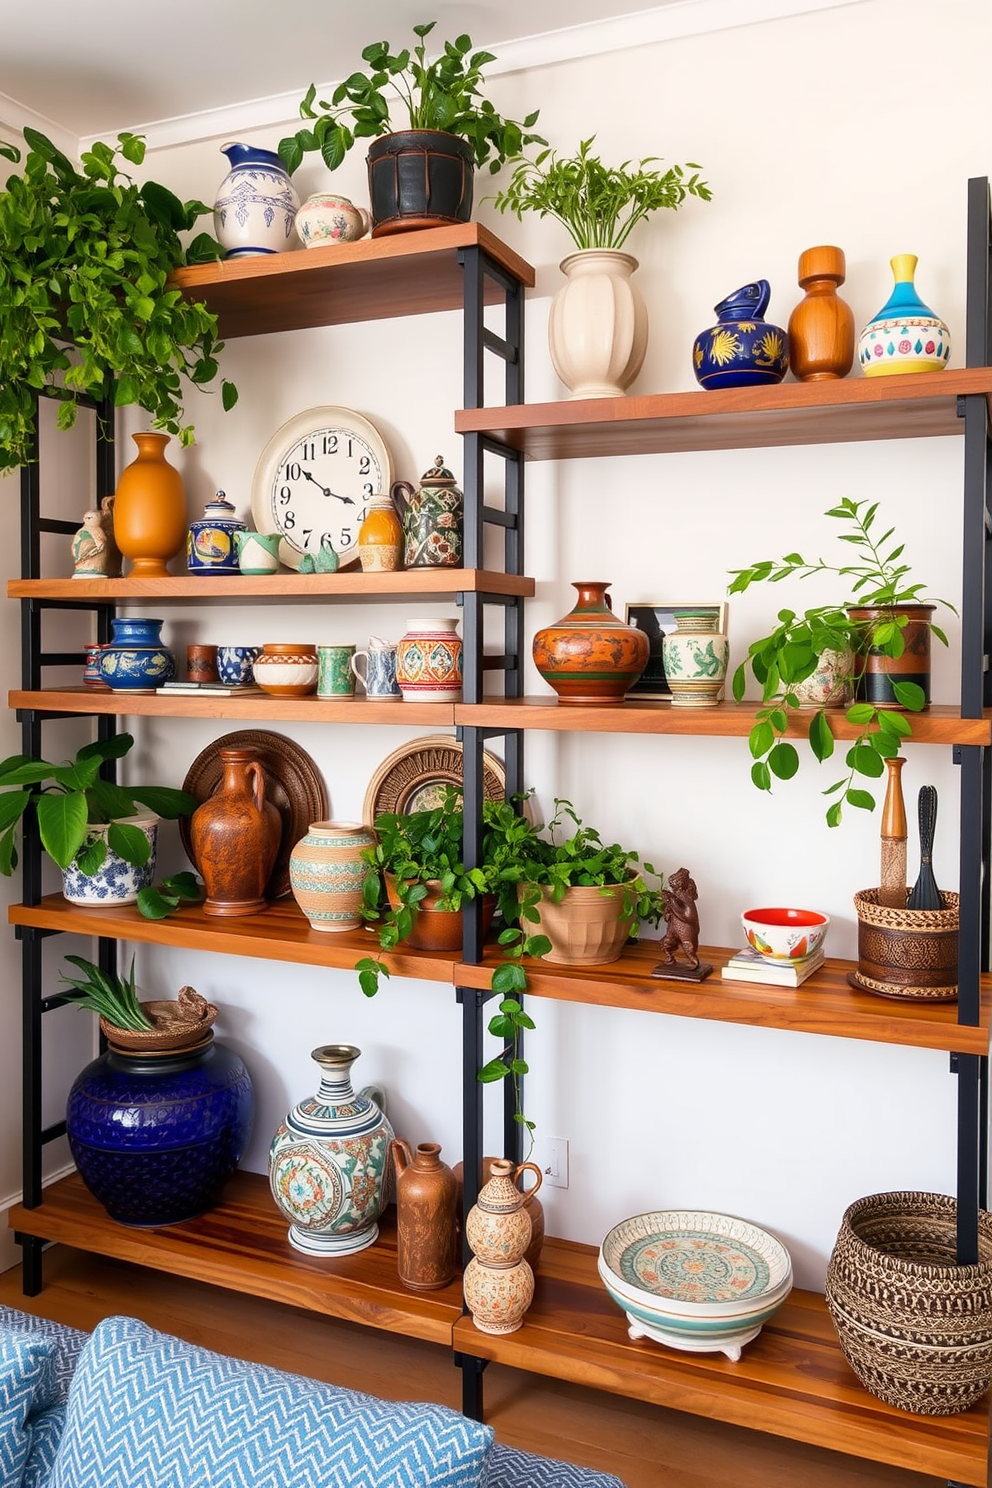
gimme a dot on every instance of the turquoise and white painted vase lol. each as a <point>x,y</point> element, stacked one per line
<point>211,543</point>
<point>905,335</point>
<point>328,1167</point>
<point>327,873</point>
<point>256,206</point>
<point>695,657</point>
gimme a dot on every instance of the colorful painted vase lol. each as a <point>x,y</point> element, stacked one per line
<point>235,836</point>
<point>429,662</point>
<point>156,1136</point>
<point>380,537</point>
<point>325,217</point>
<point>135,660</point>
<point>696,655</point>
<point>743,349</point>
<point>498,1282</point>
<point>905,335</point>
<point>256,203</point>
<point>286,669</point>
<point>91,671</point>
<point>327,873</point>
<point>116,881</point>
<point>432,519</point>
<point>426,1217</point>
<point>590,656</point>
<point>821,327</point>
<point>211,543</point>
<point>328,1164</point>
<point>150,509</point>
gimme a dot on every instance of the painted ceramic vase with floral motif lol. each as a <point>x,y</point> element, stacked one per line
<point>325,218</point>
<point>328,1163</point>
<point>590,656</point>
<point>498,1282</point>
<point>696,655</point>
<point>742,349</point>
<point>905,335</point>
<point>429,662</point>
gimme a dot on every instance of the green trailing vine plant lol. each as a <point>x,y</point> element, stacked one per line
<point>442,94</point>
<point>85,307</point>
<point>789,654</point>
<point>598,205</point>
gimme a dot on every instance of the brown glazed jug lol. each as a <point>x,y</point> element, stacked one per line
<point>426,1228</point>
<point>235,836</point>
<point>150,509</point>
<point>821,327</point>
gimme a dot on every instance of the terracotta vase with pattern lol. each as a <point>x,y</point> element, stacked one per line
<point>327,872</point>
<point>426,1217</point>
<point>498,1282</point>
<point>590,656</point>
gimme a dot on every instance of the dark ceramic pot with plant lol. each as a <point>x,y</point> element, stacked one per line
<point>882,636</point>
<point>421,176</point>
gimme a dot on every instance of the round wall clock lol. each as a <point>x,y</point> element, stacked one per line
<point>314,479</point>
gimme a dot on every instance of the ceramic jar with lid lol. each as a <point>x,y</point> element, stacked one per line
<point>432,517</point>
<point>325,217</point>
<point>429,662</point>
<point>211,543</point>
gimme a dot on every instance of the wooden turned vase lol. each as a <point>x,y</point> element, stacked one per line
<point>150,509</point>
<point>590,656</point>
<point>821,327</point>
<point>235,837</point>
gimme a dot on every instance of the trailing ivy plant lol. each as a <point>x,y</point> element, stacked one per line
<point>789,654</point>
<point>598,205</point>
<point>444,94</point>
<point>85,308</point>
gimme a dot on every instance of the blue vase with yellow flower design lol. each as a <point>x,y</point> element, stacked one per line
<point>743,349</point>
<point>211,546</point>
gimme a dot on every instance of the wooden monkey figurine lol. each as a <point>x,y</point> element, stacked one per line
<point>679,901</point>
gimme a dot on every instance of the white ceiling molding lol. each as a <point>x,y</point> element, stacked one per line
<point>14,117</point>
<point>684,18</point>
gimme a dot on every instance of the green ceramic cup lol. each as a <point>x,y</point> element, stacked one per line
<point>334,675</point>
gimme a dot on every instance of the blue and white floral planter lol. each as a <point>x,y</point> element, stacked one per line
<point>256,206</point>
<point>116,882</point>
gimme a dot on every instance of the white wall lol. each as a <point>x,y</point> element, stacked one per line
<point>822,128</point>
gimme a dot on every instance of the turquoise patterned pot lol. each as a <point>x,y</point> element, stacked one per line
<point>743,349</point>
<point>327,1164</point>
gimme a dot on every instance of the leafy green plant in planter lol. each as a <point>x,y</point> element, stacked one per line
<point>598,205</point>
<point>789,655</point>
<point>113,997</point>
<point>84,259</point>
<point>69,800</point>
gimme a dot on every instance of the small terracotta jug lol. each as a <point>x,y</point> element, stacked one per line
<point>532,1204</point>
<point>498,1282</point>
<point>426,1227</point>
<point>150,509</point>
<point>235,837</point>
<point>821,327</point>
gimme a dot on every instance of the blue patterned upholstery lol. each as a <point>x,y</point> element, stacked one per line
<point>509,1468</point>
<point>67,1345</point>
<point>44,1435</point>
<point>26,1374</point>
<point>147,1410</point>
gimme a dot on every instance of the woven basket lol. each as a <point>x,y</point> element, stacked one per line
<point>910,953</point>
<point>182,1024</point>
<point>915,1327</point>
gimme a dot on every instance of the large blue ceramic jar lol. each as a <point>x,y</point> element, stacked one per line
<point>155,1136</point>
<point>743,349</point>
<point>136,660</point>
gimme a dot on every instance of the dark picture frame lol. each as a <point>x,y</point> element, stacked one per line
<point>656,619</point>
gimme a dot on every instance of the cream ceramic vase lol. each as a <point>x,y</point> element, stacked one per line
<point>498,1282</point>
<point>326,874</point>
<point>696,656</point>
<point>598,330</point>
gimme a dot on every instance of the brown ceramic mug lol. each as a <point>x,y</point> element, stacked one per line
<point>201,663</point>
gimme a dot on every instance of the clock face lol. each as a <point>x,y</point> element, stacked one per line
<point>314,480</point>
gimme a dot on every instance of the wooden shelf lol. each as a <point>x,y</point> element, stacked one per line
<point>825,1004</point>
<point>256,707</point>
<point>279,933</point>
<point>414,584</point>
<point>792,1381</point>
<point>242,1245</point>
<point>915,406</point>
<point>411,273</point>
<point>940,724</point>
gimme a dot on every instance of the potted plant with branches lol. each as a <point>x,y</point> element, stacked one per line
<point>880,640</point>
<point>85,259</point>
<point>599,206</point>
<point>421,176</point>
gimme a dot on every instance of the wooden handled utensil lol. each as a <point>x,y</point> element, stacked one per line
<point>892,892</point>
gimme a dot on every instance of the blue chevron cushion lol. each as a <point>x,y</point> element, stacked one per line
<point>510,1468</point>
<point>44,1433</point>
<point>150,1411</point>
<point>67,1344</point>
<point>26,1374</point>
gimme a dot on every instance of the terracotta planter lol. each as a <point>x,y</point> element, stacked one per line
<point>598,328</point>
<point>874,685</point>
<point>590,656</point>
<point>586,928</point>
<point>150,509</point>
<point>235,837</point>
<point>436,929</point>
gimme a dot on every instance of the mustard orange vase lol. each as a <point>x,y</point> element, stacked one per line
<point>590,656</point>
<point>150,509</point>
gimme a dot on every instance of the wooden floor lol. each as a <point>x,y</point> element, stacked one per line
<point>645,1446</point>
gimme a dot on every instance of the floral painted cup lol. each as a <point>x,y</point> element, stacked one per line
<point>235,664</point>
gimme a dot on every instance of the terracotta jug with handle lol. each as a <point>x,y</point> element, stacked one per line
<point>235,837</point>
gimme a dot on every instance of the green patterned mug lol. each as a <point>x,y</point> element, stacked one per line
<point>334,674</point>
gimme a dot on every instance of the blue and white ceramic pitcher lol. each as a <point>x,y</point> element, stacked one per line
<point>256,204</point>
<point>376,669</point>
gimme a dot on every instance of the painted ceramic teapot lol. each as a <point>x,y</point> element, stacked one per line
<point>325,217</point>
<point>432,519</point>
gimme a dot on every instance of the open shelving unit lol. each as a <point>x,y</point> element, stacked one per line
<point>793,1380</point>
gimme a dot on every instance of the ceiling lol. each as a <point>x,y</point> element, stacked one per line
<point>93,66</point>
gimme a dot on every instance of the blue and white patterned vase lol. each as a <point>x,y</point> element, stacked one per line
<point>256,204</point>
<point>743,349</point>
<point>905,335</point>
<point>115,881</point>
<point>211,542</point>
<point>328,1166</point>
<point>136,660</point>
<point>156,1136</point>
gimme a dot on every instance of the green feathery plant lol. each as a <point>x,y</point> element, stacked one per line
<point>789,654</point>
<point>597,205</point>
<point>113,997</point>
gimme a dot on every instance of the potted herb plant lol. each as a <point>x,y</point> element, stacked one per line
<point>421,176</point>
<point>85,256</point>
<point>881,635</point>
<point>599,206</point>
<point>93,829</point>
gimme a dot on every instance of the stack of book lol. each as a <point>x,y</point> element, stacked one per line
<point>750,966</point>
<point>211,689</point>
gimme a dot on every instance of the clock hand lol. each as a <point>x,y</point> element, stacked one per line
<point>327,490</point>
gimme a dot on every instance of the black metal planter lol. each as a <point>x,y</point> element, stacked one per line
<point>419,178</point>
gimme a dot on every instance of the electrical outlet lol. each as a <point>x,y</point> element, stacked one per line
<point>555,1163</point>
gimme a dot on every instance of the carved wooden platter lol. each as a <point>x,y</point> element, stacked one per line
<point>413,777</point>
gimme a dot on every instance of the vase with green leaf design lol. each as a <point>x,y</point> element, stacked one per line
<point>695,656</point>
<point>742,349</point>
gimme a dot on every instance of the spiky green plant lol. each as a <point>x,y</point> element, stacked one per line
<point>113,997</point>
